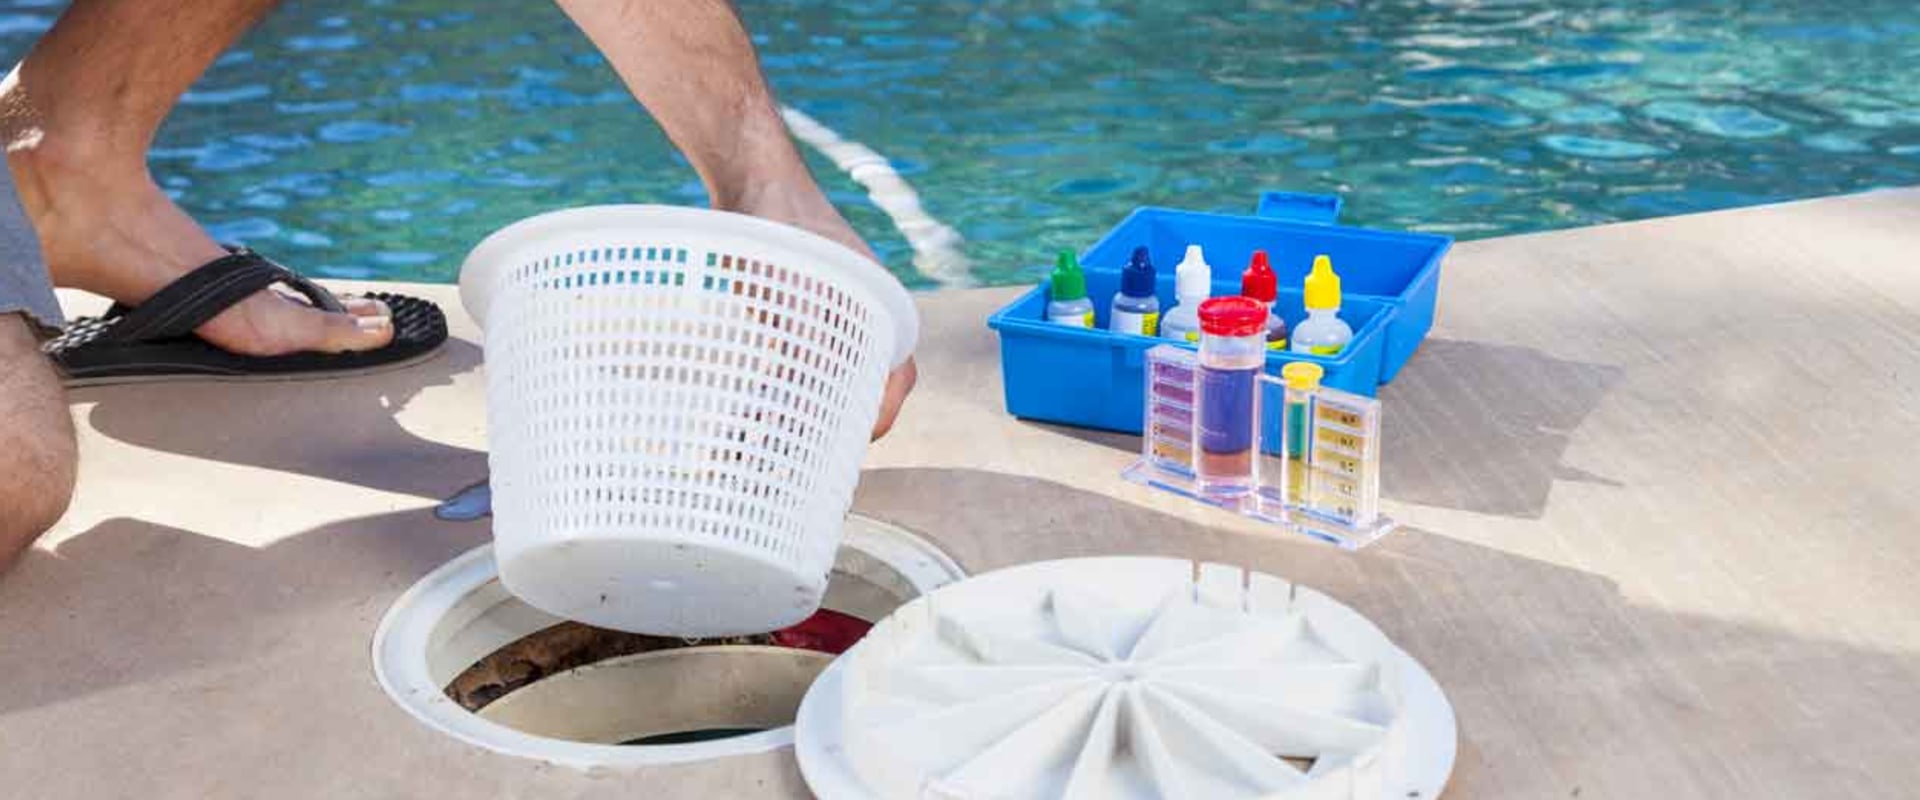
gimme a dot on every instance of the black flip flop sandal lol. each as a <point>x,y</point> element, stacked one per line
<point>155,342</point>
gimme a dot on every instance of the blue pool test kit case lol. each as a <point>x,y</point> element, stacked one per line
<point>1095,378</point>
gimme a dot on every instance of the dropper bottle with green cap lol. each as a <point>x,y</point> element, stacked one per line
<point>1068,303</point>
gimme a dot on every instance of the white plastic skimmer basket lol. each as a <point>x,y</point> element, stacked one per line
<point>678,404</point>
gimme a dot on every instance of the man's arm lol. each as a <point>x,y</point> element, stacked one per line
<point>691,63</point>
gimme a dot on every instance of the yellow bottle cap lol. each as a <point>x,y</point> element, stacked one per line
<point>1302,376</point>
<point>1323,286</point>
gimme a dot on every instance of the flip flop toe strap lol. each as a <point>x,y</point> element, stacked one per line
<point>212,288</point>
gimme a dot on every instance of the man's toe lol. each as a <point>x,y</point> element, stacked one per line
<point>366,307</point>
<point>341,333</point>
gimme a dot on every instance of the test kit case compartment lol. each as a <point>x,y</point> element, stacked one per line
<point>1094,378</point>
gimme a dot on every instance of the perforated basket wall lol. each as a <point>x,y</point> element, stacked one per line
<point>678,404</point>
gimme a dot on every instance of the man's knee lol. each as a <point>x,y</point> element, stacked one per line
<point>37,452</point>
<point>32,503</point>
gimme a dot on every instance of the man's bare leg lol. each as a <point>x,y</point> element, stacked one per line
<point>36,441</point>
<point>691,63</point>
<point>78,115</point>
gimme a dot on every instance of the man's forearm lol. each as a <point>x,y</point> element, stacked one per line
<point>691,63</point>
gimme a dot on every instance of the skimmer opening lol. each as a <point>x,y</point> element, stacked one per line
<point>460,653</point>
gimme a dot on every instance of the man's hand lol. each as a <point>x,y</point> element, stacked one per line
<point>691,63</point>
<point>806,207</point>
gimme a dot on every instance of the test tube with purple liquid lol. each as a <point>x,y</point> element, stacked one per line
<point>1233,348</point>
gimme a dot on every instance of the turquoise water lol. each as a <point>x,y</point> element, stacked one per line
<point>359,139</point>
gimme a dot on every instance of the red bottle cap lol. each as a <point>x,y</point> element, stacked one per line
<point>1259,282</point>
<point>1233,316</point>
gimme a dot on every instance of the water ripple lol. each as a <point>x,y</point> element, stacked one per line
<point>437,92</point>
<point>1478,113</point>
<point>1086,186</point>
<point>243,230</point>
<point>1264,144</point>
<point>236,94</point>
<point>268,141</point>
<point>1594,147</point>
<point>360,130</point>
<point>345,41</point>
<point>307,239</point>
<point>271,201</point>
<point>404,258</point>
<point>1731,121</point>
<point>16,24</point>
<point>1837,142</point>
<point>225,156</point>
<point>412,177</point>
<point>317,107</point>
<point>1587,115</point>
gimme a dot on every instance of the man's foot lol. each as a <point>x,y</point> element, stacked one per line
<point>124,238</point>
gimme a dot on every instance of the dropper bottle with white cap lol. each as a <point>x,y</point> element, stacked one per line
<point>1192,283</point>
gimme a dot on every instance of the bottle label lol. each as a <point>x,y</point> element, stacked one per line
<point>1277,344</point>
<point>1147,324</point>
<point>1193,337</point>
<point>1076,320</point>
<point>1324,349</point>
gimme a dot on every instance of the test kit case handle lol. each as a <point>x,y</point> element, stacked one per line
<point>1314,209</point>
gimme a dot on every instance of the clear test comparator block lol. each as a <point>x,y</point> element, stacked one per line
<point>1167,437</point>
<point>1318,468</point>
<point>1343,458</point>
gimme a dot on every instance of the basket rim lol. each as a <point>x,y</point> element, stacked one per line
<point>844,262</point>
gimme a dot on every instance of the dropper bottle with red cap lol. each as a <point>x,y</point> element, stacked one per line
<point>1259,283</point>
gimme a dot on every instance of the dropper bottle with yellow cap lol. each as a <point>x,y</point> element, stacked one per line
<point>1323,333</point>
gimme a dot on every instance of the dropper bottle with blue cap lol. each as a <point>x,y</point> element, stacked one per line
<point>1136,309</point>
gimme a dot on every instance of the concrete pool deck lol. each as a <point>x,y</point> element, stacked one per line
<point>1659,482</point>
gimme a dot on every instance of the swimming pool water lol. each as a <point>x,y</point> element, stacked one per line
<point>384,138</point>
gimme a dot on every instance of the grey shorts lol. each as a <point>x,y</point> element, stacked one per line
<point>24,284</point>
